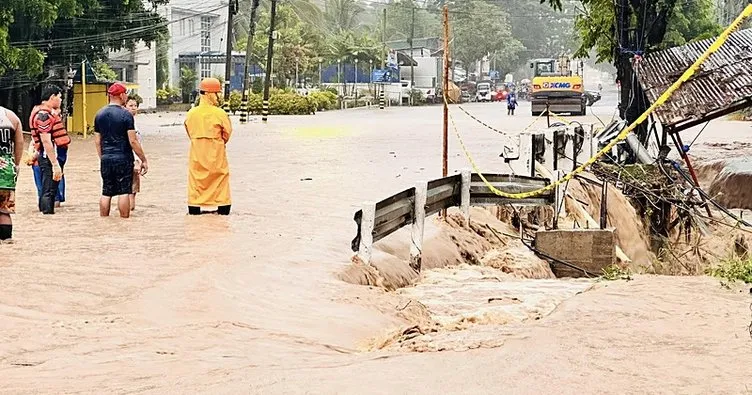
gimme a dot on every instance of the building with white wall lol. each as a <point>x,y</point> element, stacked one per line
<point>138,67</point>
<point>195,28</point>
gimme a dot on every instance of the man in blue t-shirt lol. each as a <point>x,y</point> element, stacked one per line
<point>116,141</point>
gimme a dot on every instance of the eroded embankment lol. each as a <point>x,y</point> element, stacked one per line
<point>728,181</point>
<point>478,284</point>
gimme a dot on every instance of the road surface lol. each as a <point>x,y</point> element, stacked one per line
<point>166,303</point>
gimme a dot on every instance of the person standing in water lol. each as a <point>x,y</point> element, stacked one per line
<point>11,151</point>
<point>50,138</point>
<point>132,107</point>
<point>209,129</point>
<point>116,141</point>
<point>511,102</point>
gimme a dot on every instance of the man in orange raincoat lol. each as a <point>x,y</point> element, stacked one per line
<point>209,129</point>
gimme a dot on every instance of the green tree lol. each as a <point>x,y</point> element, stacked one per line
<point>343,15</point>
<point>400,21</point>
<point>691,21</point>
<point>188,79</point>
<point>678,23</point>
<point>163,61</point>
<point>481,29</point>
<point>103,71</point>
<point>44,33</point>
<point>299,44</point>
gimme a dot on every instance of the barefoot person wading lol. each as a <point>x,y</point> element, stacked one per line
<point>11,151</point>
<point>116,141</point>
<point>209,129</point>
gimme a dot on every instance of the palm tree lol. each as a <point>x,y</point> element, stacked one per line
<point>342,15</point>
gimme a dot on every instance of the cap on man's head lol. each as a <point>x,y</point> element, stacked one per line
<point>116,89</point>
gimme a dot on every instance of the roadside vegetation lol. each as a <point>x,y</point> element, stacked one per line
<point>732,270</point>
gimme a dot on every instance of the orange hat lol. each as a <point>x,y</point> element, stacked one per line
<point>210,85</point>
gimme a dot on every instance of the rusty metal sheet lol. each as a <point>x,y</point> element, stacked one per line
<point>721,85</point>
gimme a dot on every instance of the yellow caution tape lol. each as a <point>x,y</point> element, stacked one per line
<point>624,133</point>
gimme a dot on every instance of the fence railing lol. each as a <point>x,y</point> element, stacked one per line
<point>411,206</point>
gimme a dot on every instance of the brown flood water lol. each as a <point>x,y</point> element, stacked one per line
<point>167,303</point>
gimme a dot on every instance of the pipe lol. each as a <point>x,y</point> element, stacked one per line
<point>640,152</point>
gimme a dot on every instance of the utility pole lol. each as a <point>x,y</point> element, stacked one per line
<point>232,8</point>
<point>269,56</point>
<point>412,37</point>
<point>445,93</point>
<point>445,146</point>
<point>383,62</point>
<point>248,52</point>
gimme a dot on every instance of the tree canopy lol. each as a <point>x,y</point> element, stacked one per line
<point>39,34</point>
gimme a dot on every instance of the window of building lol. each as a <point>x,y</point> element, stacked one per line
<point>191,27</point>
<point>205,70</point>
<point>182,27</point>
<point>205,33</point>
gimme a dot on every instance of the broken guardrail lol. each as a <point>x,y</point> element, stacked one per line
<point>378,220</point>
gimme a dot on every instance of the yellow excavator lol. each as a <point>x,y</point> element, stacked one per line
<point>556,88</point>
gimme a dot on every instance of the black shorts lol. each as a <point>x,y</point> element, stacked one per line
<point>117,177</point>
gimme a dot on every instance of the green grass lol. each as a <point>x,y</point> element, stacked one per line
<point>732,270</point>
<point>615,272</point>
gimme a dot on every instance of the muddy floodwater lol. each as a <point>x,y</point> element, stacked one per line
<point>251,303</point>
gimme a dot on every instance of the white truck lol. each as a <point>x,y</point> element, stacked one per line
<point>483,92</point>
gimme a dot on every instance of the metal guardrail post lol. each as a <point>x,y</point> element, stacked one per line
<point>587,145</point>
<point>525,165</point>
<point>558,198</point>
<point>419,219</point>
<point>549,156</point>
<point>366,232</point>
<point>465,200</point>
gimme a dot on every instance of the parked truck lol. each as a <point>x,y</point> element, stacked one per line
<point>556,87</point>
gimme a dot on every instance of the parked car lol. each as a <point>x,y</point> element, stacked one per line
<point>592,97</point>
<point>466,97</point>
<point>500,95</point>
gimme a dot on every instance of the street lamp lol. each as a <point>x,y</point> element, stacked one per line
<point>339,71</point>
<point>355,85</point>
<point>320,60</point>
<point>370,78</point>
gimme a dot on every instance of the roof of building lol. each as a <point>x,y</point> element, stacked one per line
<point>432,43</point>
<point>723,84</point>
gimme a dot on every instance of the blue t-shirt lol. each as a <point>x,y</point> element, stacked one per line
<point>113,123</point>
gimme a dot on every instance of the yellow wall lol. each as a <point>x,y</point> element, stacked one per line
<point>96,98</point>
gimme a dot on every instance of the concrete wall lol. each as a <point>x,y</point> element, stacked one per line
<point>590,249</point>
<point>143,63</point>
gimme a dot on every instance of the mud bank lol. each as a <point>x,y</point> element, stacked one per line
<point>728,181</point>
<point>445,244</point>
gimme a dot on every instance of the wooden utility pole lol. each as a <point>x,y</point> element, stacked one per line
<point>445,93</point>
<point>232,7</point>
<point>269,56</point>
<point>246,73</point>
